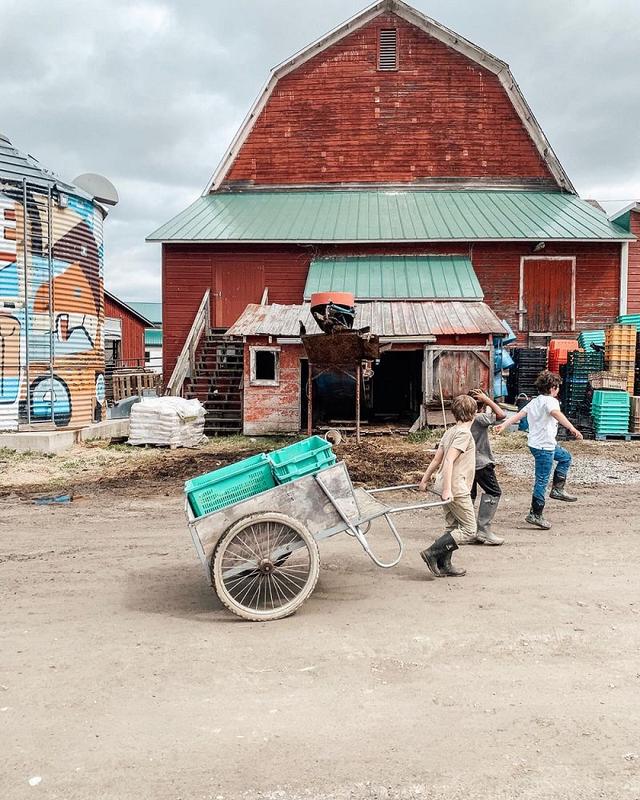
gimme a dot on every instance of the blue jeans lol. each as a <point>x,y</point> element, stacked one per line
<point>544,464</point>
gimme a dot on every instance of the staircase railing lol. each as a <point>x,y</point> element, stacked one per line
<point>186,363</point>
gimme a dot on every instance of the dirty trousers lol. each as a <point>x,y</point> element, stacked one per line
<point>460,519</point>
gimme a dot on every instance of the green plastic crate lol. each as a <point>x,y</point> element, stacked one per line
<point>630,319</point>
<point>228,485</point>
<point>587,338</point>
<point>611,398</point>
<point>302,458</point>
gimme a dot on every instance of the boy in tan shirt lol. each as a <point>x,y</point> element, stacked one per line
<point>455,466</point>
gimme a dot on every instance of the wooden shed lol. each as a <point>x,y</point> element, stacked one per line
<point>130,350</point>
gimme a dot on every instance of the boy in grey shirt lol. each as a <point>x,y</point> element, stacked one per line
<point>485,475</point>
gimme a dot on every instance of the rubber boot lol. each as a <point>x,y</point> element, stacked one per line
<point>486,513</point>
<point>558,492</point>
<point>536,517</point>
<point>438,557</point>
<point>446,567</point>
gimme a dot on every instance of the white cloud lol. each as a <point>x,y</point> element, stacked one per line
<point>151,92</point>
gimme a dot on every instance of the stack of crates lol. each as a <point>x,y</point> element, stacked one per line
<point>634,319</point>
<point>634,418</point>
<point>610,412</point>
<point>559,350</point>
<point>576,377</point>
<point>587,338</point>
<point>528,364</point>
<point>620,352</point>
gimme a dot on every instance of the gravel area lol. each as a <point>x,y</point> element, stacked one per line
<point>586,470</point>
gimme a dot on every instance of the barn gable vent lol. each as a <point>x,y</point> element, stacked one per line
<point>388,49</point>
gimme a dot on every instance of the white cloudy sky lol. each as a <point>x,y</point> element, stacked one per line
<point>150,92</point>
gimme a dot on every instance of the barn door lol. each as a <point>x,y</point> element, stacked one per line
<point>236,286</point>
<point>547,297</point>
<point>456,371</point>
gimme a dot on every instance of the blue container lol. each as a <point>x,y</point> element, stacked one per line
<point>228,485</point>
<point>302,458</point>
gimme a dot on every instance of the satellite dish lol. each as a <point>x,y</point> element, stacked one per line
<point>99,187</point>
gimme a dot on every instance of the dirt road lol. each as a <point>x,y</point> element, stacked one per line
<point>121,676</point>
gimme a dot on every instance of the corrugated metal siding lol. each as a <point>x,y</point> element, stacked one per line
<point>388,216</point>
<point>633,287</point>
<point>395,277</point>
<point>132,346</point>
<point>387,319</point>
<point>53,304</point>
<point>337,119</point>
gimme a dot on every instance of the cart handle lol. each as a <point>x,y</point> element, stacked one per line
<point>412,506</point>
<point>396,488</point>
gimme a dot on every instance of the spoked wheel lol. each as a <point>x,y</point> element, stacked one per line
<point>265,566</point>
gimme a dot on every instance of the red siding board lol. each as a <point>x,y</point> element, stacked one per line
<point>132,346</point>
<point>337,119</point>
<point>188,270</point>
<point>633,286</point>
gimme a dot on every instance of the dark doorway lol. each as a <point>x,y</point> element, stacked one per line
<point>393,395</point>
<point>396,390</point>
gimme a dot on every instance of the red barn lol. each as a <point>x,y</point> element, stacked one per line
<point>629,219</point>
<point>130,344</point>
<point>390,136</point>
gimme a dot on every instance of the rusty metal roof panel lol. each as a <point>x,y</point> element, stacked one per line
<point>388,216</point>
<point>390,319</point>
<point>395,277</point>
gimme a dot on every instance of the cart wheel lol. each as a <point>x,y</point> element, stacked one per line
<point>265,566</point>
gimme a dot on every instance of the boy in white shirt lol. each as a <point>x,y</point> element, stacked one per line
<point>543,415</point>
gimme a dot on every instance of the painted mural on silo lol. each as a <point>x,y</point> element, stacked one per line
<point>51,308</point>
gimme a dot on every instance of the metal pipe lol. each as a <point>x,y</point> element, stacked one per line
<point>358,370</point>
<point>51,316</point>
<point>26,296</point>
<point>310,400</point>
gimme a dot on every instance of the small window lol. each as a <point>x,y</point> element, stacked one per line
<point>388,50</point>
<point>265,366</point>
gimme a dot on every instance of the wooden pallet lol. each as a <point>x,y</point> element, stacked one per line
<point>130,384</point>
<point>617,437</point>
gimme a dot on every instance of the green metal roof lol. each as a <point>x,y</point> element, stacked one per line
<point>396,277</point>
<point>388,216</point>
<point>152,311</point>
<point>153,336</point>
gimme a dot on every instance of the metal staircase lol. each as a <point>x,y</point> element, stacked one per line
<point>217,382</point>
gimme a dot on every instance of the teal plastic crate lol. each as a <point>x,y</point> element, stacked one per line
<point>610,411</point>
<point>302,458</point>
<point>228,485</point>
<point>611,398</point>
<point>630,319</point>
<point>587,338</point>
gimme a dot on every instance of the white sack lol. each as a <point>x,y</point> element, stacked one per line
<point>171,421</point>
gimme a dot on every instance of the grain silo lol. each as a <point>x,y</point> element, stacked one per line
<point>51,297</point>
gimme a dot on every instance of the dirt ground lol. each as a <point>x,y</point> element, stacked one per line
<point>122,676</point>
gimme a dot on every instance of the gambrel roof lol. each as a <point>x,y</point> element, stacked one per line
<point>434,29</point>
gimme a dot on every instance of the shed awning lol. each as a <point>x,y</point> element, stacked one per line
<point>389,320</point>
<point>395,277</point>
<point>153,337</point>
<point>368,215</point>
